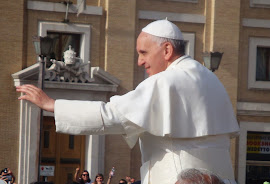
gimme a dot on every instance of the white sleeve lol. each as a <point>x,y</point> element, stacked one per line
<point>91,117</point>
<point>78,117</point>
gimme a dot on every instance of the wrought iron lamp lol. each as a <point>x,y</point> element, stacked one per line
<point>212,60</point>
<point>43,47</point>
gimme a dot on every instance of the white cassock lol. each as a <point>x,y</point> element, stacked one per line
<point>182,116</point>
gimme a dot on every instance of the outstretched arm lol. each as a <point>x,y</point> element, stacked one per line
<point>76,176</point>
<point>109,178</point>
<point>36,96</point>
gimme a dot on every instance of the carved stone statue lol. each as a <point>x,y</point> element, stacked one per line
<point>69,70</point>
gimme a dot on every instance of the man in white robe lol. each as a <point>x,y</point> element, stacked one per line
<point>181,114</point>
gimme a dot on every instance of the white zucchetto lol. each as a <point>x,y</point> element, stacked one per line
<point>164,29</point>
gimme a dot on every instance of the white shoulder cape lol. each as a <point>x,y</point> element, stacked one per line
<point>187,100</point>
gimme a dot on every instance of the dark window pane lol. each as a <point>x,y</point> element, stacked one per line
<point>257,174</point>
<point>70,177</point>
<point>46,139</point>
<point>262,64</point>
<point>71,141</point>
<point>61,42</point>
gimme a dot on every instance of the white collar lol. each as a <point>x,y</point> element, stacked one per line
<point>175,62</point>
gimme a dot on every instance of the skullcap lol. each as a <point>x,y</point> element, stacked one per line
<point>164,29</point>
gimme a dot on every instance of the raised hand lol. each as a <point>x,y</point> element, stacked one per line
<point>36,96</point>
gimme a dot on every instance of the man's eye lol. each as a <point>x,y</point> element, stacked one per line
<point>142,52</point>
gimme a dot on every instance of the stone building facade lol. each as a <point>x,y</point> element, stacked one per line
<point>107,32</point>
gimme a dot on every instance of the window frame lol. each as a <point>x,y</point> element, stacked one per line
<point>242,149</point>
<point>259,3</point>
<point>83,29</point>
<point>182,1</point>
<point>60,54</point>
<point>255,42</point>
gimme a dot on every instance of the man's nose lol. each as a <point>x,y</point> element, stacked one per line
<point>141,62</point>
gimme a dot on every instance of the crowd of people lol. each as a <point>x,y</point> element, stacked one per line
<point>84,178</point>
<point>186,176</point>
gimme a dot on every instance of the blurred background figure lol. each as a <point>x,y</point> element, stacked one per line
<point>84,179</point>
<point>7,176</point>
<point>131,180</point>
<point>99,179</point>
<point>123,181</point>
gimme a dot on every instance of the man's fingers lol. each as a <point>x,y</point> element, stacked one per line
<point>28,89</point>
<point>36,96</point>
<point>24,97</point>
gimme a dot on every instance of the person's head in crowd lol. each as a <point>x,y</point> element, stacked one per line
<point>123,181</point>
<point>132,179</point>
<point>198,176</point>
<point>158,45</point>
<point>6,175</point>
<point>99,178</point>
<point>85,176</point>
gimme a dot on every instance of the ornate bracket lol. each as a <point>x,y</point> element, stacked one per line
<point>70,70</point>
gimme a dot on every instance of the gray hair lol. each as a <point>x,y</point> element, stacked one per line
<point>198,176</point>
<point>178,45</point>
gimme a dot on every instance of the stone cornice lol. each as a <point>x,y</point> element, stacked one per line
<point>253,109</point>
<point>259,23</point>
<point>176,17</point>
<point>58,7</point>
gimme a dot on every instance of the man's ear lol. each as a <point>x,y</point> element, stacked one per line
<point>168,51</point>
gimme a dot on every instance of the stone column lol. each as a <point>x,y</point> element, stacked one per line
<point>12,59</point>
<point>120,40</point>
<point>120,52</point>
<point>222,30</point>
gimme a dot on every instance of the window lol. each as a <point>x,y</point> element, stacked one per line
<point>254,152</point>
<point>258,152</point>
<point>61,42</point>
<point>184,1</point>
<point>78,35</point>
<point>190,43</point>
<point>257,174</point>
<point>259,63</point>
<point>262,64</point>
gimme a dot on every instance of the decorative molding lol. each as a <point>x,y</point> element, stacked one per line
<point>29,143</point>
<point>244,128</point>
<point>260,3</point>
<point>190,46</point>
<point>259,23</point>
<point>177,17</point>
<point>101,83</point>
<point>253,109</point>
<point>182,1</point>
<point>69,70</point>
<point>97,71</point>
<point>185,1</point>
<point>58,7</point>
<point>253,43</point>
